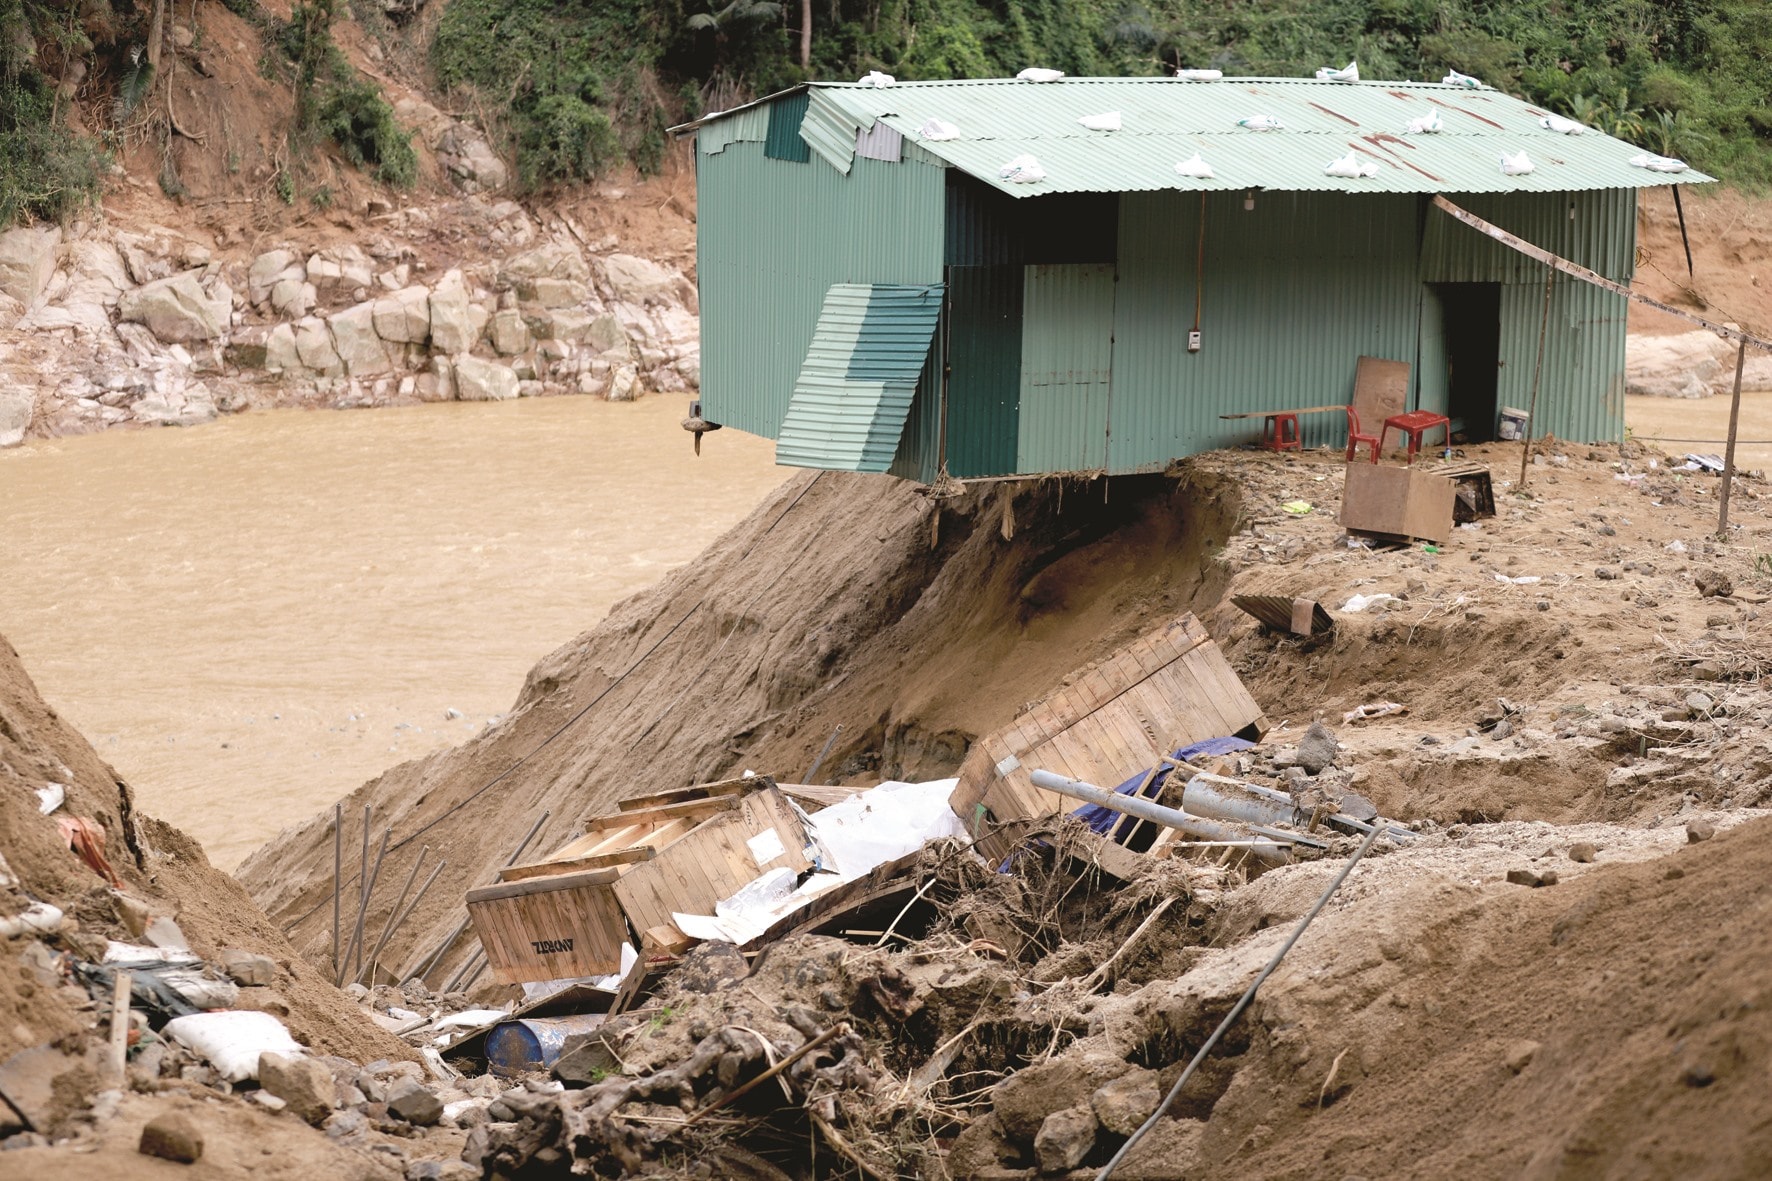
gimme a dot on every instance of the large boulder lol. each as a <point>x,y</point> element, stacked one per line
<point>15,413</point>
<point>270,269</point>
<point>640,280</point>
<point>483,381</point>
<point>341,268</point>
<point>470,161</point>
<point>405,316</point>
<point>293,298</point>
<point>552,260</point>
<point>280,351</point>
<point>452,324</point>
<point>554,293</point>
<point>605,333</point>
<point>359,346</point>
<point>175,310</point>
<point>27,262</point>
<point>1687,365</point>
<point>510,335</point>
<point>313,344</point>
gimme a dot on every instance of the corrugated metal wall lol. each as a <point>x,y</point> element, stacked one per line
<point>1581,397</point>
<point>772,237</point>
<point>984,388</point>
<point>1596,229</point>
<point>1067,356</point>
<point>1294,292</point>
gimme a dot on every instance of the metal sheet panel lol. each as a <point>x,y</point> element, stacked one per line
<point>1166,121</point>
<point>781,139</point>
<point>1596,229</point>
<point>861,370</point>
<point>984,385</point>
<point>830,128</point>
<point>1581,395</point>
<point>771,239</point>
<point>1067,361</point>
<point>750,126</point>
<point>879,142</point>
<point>1292,294</point>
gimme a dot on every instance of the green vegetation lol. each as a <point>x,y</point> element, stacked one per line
<point>1683,77</point>
<point>46,170</point>
<point>334,102</point>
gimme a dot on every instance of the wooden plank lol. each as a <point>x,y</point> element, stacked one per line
<point>816,796</point>
<point>550,927</point>
<point>1396,501</point>
<point>663,812</point>
<point>548,885</point>
<point>516,873</point>
<point>725,787</point>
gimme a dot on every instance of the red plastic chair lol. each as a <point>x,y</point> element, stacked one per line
<point>1355,438</point>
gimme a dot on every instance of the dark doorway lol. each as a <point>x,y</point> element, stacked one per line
<point>1470,317</point>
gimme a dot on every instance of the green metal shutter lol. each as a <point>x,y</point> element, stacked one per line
<point>1067,350</point>
<point>856,385</point>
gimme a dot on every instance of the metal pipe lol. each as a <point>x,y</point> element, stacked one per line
<point>1219,798</point>
<point>355,954</point>
<point>412,906</point>
<point>362,894</point>
<point>441,948</point>
<point>1729,455</point>
<point>822,752</point>
<point>394,911</point>
<point>1193,826</point>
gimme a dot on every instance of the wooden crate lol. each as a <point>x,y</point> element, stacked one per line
<point>679,851</point>
<point>1163,691</point>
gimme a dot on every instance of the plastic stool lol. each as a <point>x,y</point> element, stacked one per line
<point>1279,431</point>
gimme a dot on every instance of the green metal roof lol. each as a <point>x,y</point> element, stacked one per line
<point>856,385</point>
<point>1165,121</point>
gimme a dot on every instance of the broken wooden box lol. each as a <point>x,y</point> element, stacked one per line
<point>1397,503</point>
<point>1164,691</point>
<point>569,914</point>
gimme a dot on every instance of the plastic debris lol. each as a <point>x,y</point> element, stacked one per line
<point>87,839</point>
<point>1261,123</point>
<point>1374,709</point>
<point>1037,74</point>
<point>1298,508</point>
<point>1656,163</point>
<point>1350,166</point>
<point>39,918</point>
<point>1023,170</point>
<point>1428,124</point>
<point>232,1041</point>
<point>878,80</point>
<point>1675,547</point>
<point>1198,75</point>
<point>938,131</point>
<point>1561,125</point>
<point>50,797</point>
<point>1518,164</point>
<point>1108,121</point>
<point>1522,580</point>
<point>1347,73</point>
<point>1360,602</point>
<point>1195,167</point>
<point>1454,78</point>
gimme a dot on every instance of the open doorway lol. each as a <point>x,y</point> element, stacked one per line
<point>1470,319</point>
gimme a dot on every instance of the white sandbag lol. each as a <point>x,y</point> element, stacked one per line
<point>1195,167</point>
<point>1656,163</point>
<point>1518,164</point>
<point>1023,170</point>
<point>133,955</point>
<point>1560,125</point>
<point>1199,75</point>
<point>1037,74</point>
<point>50,797</point>
<point>1261,123</point>
<point>1109,121</point>
<point>937,131</point>
<point>878,80</point>
<point>1428,124</point>
<point>1347,73</point>
<point>232,1041</point>
<point>1351,166</point>
<point>39,918</point>
<point>1454,78</point>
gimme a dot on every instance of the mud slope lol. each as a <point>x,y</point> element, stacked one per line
<point>156,863</point>
<point>842,600</point>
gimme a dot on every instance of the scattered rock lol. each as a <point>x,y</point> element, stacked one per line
<point>1126,1102</point>
<point>1064,1139</point>
<point>483,381</point>
<point>173,1136</point>
<point>405,316</point>
<point>247,967</point>
<point>1534,878</point>
<point>1605,574</point>
<point>1712,584</point>
<point>302,1082</point>
<point>1699,830</point>
<point>624,386</point>
<point>415,1103</point>
<point>358,343</point>
<point>452,326</point>
<point>16,407</point>
<point>27,263</point>
<point>176,310</point>
<point>1583,851</point>
<point>1317,749</point>
<point>1520,1054</point>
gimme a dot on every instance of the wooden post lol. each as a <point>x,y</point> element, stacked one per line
<point>1729,452</point>
<point>338,856</point>
<point>1537,372</point>
<point>119,1047</point>
<point>1684,240</point>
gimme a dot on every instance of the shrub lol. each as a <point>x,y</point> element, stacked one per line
<point>356,117</point>
<point>565,138</point>
<point>46,170</point>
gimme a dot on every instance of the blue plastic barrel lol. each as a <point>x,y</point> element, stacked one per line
<point>533,1044</point>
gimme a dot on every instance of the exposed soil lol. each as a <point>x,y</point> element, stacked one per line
<point>1731,279</point>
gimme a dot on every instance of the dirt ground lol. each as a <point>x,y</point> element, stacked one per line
<point>1730,234</point>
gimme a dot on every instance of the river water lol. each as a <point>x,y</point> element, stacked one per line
<point>250,618</point>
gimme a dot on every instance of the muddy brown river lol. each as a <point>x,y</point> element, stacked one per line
<point>251,618</point>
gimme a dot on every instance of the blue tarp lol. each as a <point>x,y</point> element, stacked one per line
<point>1103,820</point>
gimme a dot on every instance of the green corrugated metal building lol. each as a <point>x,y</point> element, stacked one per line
<point>876,295</point>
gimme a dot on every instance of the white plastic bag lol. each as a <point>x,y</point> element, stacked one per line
<point>1109,121</point>
<point>1351,166</point>
<point>937,131</point>
<point>1037,74</point>
<point>1454,78</point>
<point>1023,170</point>
<point>1428,124</point>
<point>1347,73</point>
<point>1195,167</point>
<point>878,80</point>
<point>232,1041</point>
<point>1518,164</point>
<point>1560,125</point>
<point>1656,163</point>
<point>1199,75</point>
<point>1261,123</point>
<point>50,797</point>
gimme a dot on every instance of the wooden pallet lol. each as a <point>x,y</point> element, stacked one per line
<point>1166,690</point>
